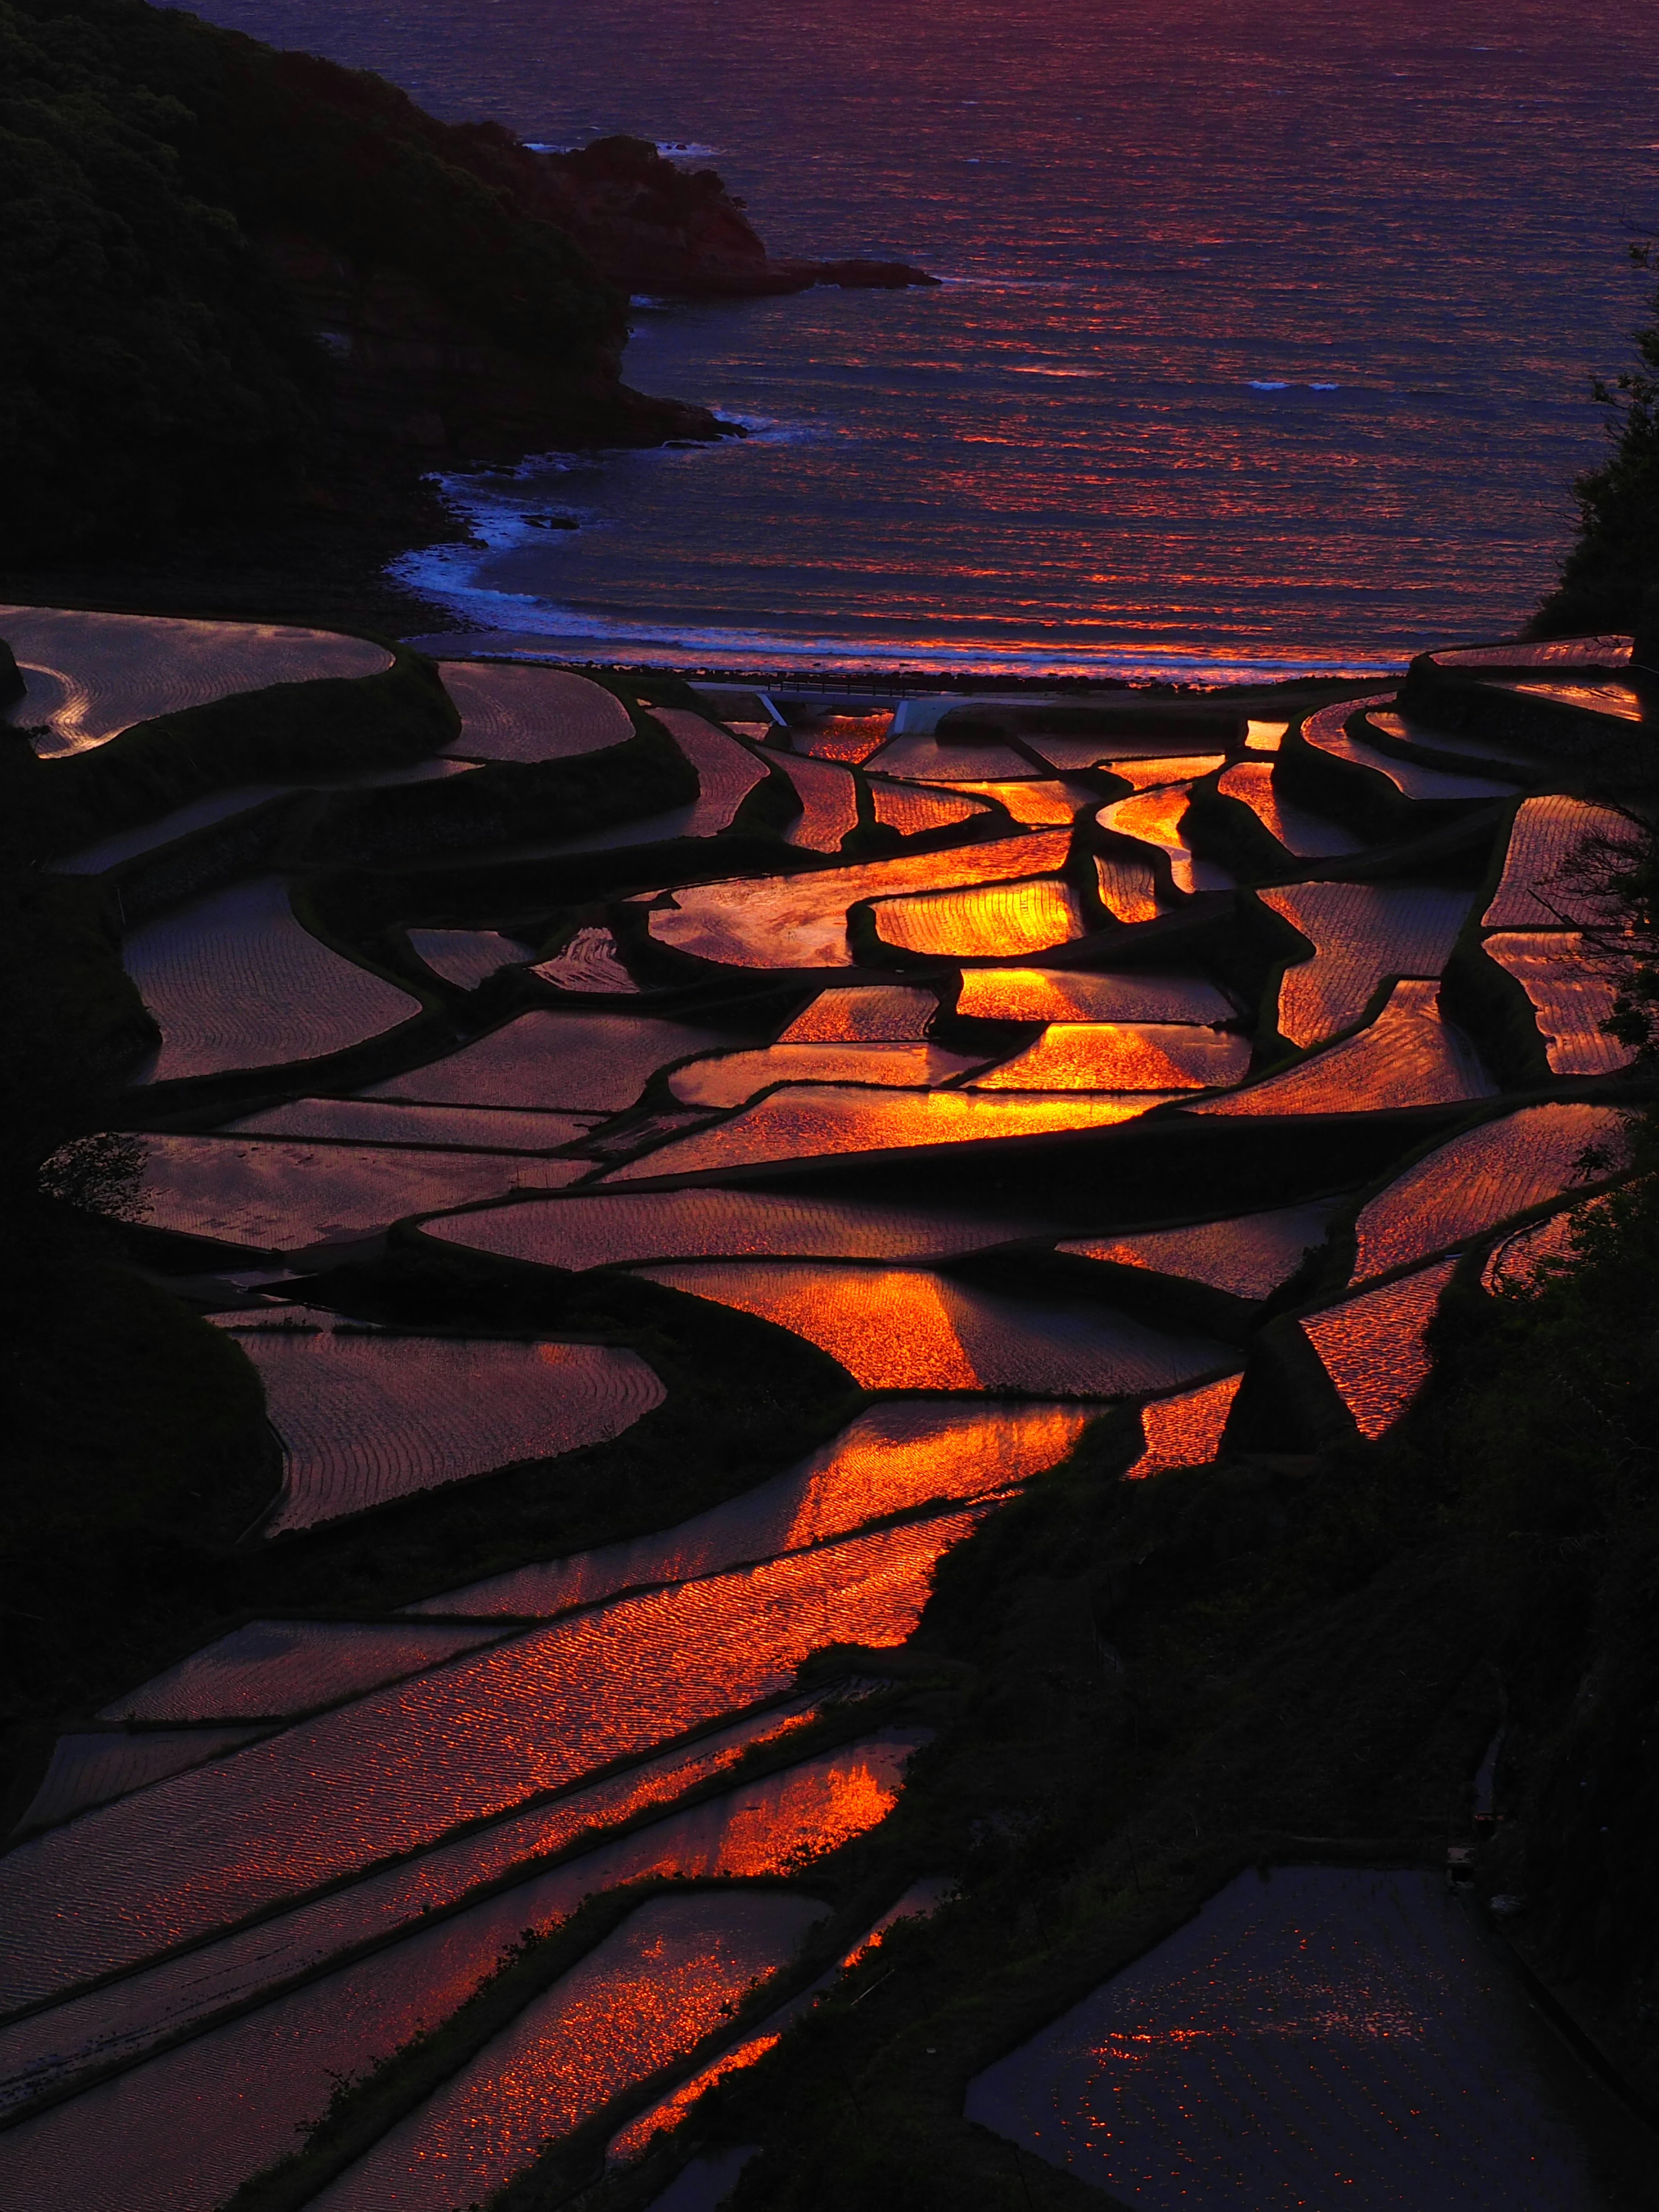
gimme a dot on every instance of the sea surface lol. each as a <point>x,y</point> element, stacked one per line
<point>1264,340</point>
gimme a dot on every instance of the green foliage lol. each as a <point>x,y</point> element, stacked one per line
<point>1612,571</point>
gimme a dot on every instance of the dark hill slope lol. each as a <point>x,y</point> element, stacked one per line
<point>236,280</point>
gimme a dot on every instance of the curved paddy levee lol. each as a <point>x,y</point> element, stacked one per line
<point>235,980</point>
<point>512,713</point>
<point>1250,1255</point>
<point>727,770</point>
<point>368,1415</point>
<point>576,1062</point>
<point>1155,818</point>
<point>828,796</point>
<point>900,1329</point>
<point>183,2130</point>
<point>282,1196</point>
<point>893,1459</point>
<point>1516,1262</point>
<point>91,675</point>
<point>1316,2034</point>
<point>622,1229</point>
<point>1480,1178</point>
<point>403,1765</point>
<point>275,1669</point>
<point>1362,933</point>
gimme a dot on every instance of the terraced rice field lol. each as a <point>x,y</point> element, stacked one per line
<point>1149,773</point>
<point>1079,994</point>
<point>1520,1261</point>
<point>278,1196</point>
<point>988,921</point>
<point>1373,1346</point>
<point>1038,805</point>
<point>910,810</point>
<point>1185,1431</point>
<point>1557,850</point>
<point>510,711</point>
<point>466,957</point>
<point>800,921</point>
<point>813,1120</point>
<point>899,1329</point>
<point>620,1229</point>
<point>1482,1177</point>
<point>401,1767</point>
<point>386,1122</point>
<point>1573,994</point>
<point>1361,934</point>
<point>874,1013</point>
<point>181,2132</point>
<point>1411,779</point>
<point>1318,2035</point>
<point>1489,750</point>
<point>828,797</point>
<point>1155,817</point>
<point>275,1669</point>
<point>129,2015</point>
<point>667,1976</point>
<point>1307,835</point>
<point>1622,700</point>
<point>365,1416</point>
<point>891,1460</point>
<point>726,771</point>
<point>235,981</point>
<point>1250,1255</point>
<point>1408,1056</point>
<point>98,1766</point>
<point>597,1063</point>
<point>1608,650</point>
<point>588,962</point>
<point>735,1077</point>
<point>91,675</point>
<point>1126,887</point>
<point>850,738</point>
<point>1162,1056</point>
<point>927,759</point>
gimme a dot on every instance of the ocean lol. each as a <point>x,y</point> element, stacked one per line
<point>1263,345</point>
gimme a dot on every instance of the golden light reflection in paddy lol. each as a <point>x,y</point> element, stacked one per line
<point>1127,887</point>
<point>1373,1346</point>
<point>1180,768</point>
<point>997,921</point>
<point>634,2138</point>
<point>848,737</point>
<point>736,1077</point>
<point>1078,995</point>
<point>1122,1056</point>
<point>911,811</point>
<point>1155,817</point>
<point>1184,1430</point>
<point>1036,804</point>
<point>1408,1056</point>
<point>879,1013</point>
<point>1573,996</point>
<point>816,1121</point>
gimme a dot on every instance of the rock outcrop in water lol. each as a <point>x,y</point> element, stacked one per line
<point>650,226</point>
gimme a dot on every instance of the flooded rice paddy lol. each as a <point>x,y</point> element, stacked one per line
<point>275,1858</point>
<point>1320,2037</point>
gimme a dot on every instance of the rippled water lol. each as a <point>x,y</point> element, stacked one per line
<point>1265,332</point>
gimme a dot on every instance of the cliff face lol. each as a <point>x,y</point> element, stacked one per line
<point>238,281</point>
